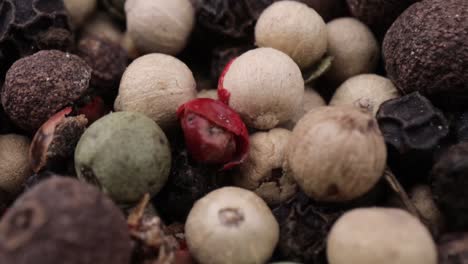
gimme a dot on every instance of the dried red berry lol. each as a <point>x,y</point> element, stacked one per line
<point>214,133</point>
<point>223,93</point>
<point>94,109</point>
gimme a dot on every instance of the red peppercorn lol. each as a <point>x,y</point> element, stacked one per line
<point>214,133</point>
<point>94,109</point>
<point>223,93</point>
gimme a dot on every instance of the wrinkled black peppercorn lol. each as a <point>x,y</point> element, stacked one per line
<point>449,184</point>
<point>38,86</point>
<point>453,248</point>
<point>304,226</point>
<point>235,19</point>
<point>413,130</point>
<point>27,26</point>
<point>107,59</point>
<point>62,220</point>
<point>187,183</point>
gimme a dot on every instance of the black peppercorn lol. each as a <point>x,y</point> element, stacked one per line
<point>60,221</point>
<point>107,59</point>
<point>27,26</point>
<point>453,248</point>
<point>449,184</point>
<point>235,19</point>
<point>413,130</point>
<point>187,183</point>
<point>38,86</point>
<point>304,226</point>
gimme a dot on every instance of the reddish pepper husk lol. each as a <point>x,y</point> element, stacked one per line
<point>223,93</point>
<point>43,138</point>
<point>214,133</point>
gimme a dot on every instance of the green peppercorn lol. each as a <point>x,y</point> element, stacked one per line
<point>126,154</point>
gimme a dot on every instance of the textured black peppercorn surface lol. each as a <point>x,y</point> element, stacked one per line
<point>304,227</point>
<point>413,129</point>
<point>449,184</point>
<point>378,14</point>
<point>107,59</point>
<point>235,19</point>
<point>453,248</point>
<point>425,50</point>
<point>64,221</point>
<point>38,86</point>
<point>187,183</point>
<point>27,26</point>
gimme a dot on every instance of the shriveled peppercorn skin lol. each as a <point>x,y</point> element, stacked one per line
<point>64,221</point>
<point>187,183</point>
<point>235,19</point>
<point>425,50</point>
<point>38,86</point>
<point>27,26</point>
<point>304,226</point>
<point>449,180</point>
<point>413,130</point>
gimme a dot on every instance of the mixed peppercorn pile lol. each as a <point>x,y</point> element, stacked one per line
<point>233,132</point>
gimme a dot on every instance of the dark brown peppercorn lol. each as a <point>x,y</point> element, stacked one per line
<point>38,86</point>
<point>453,248</point>
<point>460,125</point>
<point>235,19</point>
<point>107,59</point>
<point>61,221</point>
<point>449,184</point>
<point>413,129</point>
<point>304,226</point>
<point>187,183</point>
<point>27,26</point>
<point>378,14</point>
<point>425,50</point>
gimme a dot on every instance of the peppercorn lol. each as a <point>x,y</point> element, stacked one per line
<point>424,50</point>
<point>295,29</point>
<point>365,91</point>
<point>311,100</point>
<point>413,130</point>
<point>29,26</point>
<point>79,10</point>
<point>453,248</point>
<point>213,132</point>
<point>62,220</point>
<point>380,235</point>
<point>38,86</point>
<point>233,19</point>
<point>231,225</point>
<point>55,141</point>
<point>449,183</point>
<point>328,9</point>
<point>353,47</point>
<point>304,225</point>
<point>188,182</point>
<point>351,159</point>
<point>159,25</point>
<point>14,162</point>
<point>126,155</point>
<point>263,172</point>
<point>107,60</point>
<point>264,85</point>
<point>156,85</point>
